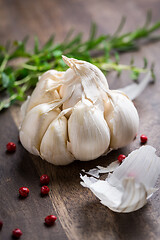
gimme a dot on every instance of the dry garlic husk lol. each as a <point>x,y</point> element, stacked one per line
<point>130,185</point>
<point>74,115</point>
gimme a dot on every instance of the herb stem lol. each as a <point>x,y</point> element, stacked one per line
<point>29,67</point>
<point>119,67</point>
<point>4,63</point>
<point>22,81</point>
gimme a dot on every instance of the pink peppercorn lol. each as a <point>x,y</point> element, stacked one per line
<point>44,179</point>
<point>45,190</point>
<point>16,233</point>
<point>11,147</point>
<point>121,157</point>
<point>1,224</point>
<point>143,139</point>
<point>49,220</point>
<point>23,191</point>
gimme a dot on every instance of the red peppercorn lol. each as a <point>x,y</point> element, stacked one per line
<point>1,224</point>
<point>16,233</point>
<point>121,157</point>
<point>143,139</point>
<point>24,191</point>
<point>49,220</point>
<point>44,190</point>
<point>11,147</point>
<point>44,179</point>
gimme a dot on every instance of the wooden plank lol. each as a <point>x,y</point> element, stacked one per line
<point>17,170</point>
<point>81,214</point>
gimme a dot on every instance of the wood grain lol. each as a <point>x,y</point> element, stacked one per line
<point>80,214</point>
<point>18,170</point>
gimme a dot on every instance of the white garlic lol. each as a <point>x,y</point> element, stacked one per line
<point>45,90</point>
<point>122,120</point>
<point>88,131</point>
<point>130,185</point>
<point>35,125</point>
<point>73,115</point>
<point>53,147</point>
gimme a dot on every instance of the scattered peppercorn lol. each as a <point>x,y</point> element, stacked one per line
<point>11,147</point>
<point>1,224</point>
<point>45,190</point>
<point>16,233</point>
<point>44,179</point>
<point>121,157</point>
<point>49,220</point>
<point>143,139</point>
<point>23,191</point>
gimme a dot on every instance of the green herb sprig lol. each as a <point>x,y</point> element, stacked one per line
<point>103,51</point>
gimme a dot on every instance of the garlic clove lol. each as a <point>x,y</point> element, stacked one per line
<point>46,89</point>
<point>122,119</point>
<point>131,184</point>
<point>54,143</point>
<point>89,135</point>
<point>34,126</point>
<point>85,68</point>
<point>92,79</point>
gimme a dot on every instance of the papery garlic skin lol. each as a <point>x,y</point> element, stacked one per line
<point>130,185</point>
<point>45,90</point>
<point>75,98</point>
<point>74,115</point>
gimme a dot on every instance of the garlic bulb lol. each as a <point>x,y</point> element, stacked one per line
<point>130,185</point>
<point>74,115</point>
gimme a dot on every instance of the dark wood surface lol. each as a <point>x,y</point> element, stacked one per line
<point>80,215</point>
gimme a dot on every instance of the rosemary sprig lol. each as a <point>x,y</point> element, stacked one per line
<point>16,80</point>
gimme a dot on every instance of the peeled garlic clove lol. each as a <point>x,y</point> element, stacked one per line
<point>89,135</point>
<point>122,119</point>
<point>131,184</point>
<point>34,126</point>
<point>46,89</point>
<point>54,143</point>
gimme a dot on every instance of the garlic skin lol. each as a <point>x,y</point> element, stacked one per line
<point>123,120</point>
<point>53,146</point>
<point>74,115</point>
<point>34,126</point>
<point>130,185</point>
<point>45,90</point>
<point>89,134</point>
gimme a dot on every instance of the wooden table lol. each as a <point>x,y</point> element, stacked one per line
<point>80,215</point>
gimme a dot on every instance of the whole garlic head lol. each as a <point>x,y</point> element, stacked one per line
<point>74,115</point>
